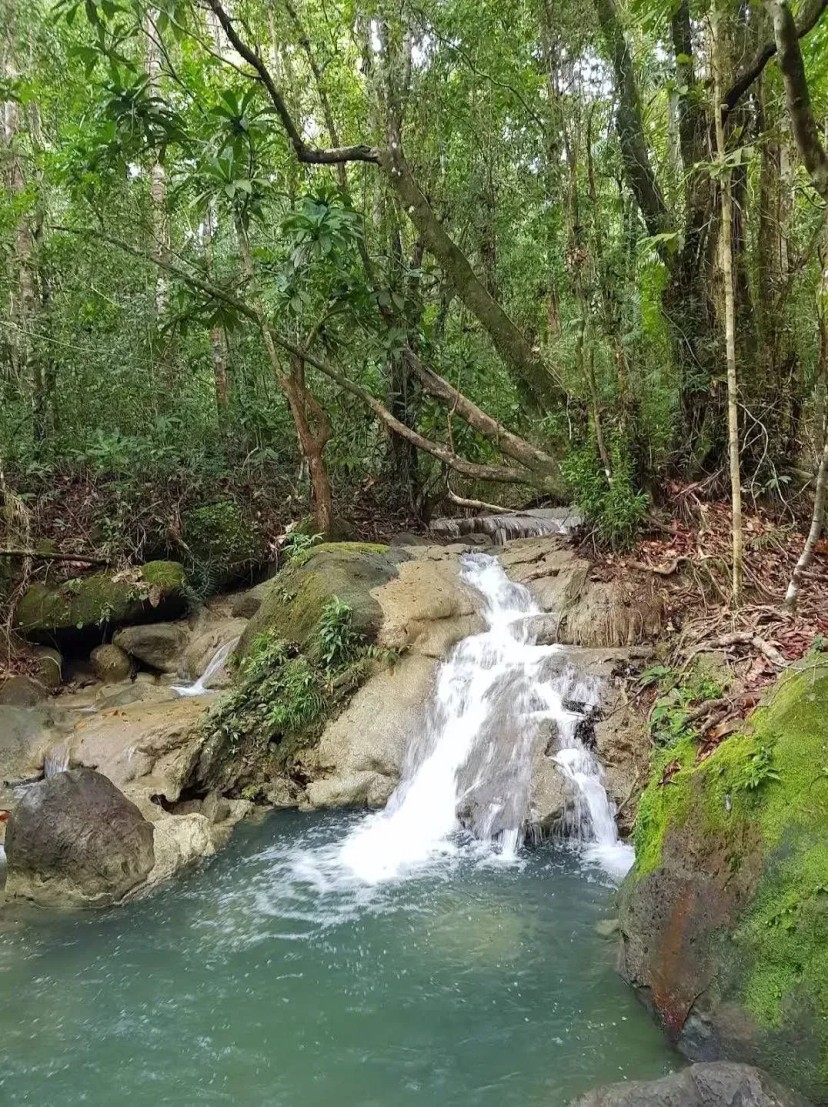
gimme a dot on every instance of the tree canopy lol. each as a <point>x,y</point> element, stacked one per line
<point>460,249</point>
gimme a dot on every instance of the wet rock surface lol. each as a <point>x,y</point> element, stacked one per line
<point>74,840</point>
<point>723,919</point>
<point>703,1085</point>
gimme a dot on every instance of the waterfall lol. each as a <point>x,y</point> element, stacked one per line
<point>497,695</point>
<point>200,686</point>
<point>56,760</point>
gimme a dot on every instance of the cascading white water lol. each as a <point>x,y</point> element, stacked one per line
<point>216,662</point>
<point>56,760</point>
<point>474,756</point>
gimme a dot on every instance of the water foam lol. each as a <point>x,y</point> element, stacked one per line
<point>475,751</point>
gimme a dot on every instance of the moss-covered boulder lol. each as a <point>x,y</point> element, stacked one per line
<point>724,918</point>
<point>226,546</point>
<point>155,590</point>
<point>293,602</point>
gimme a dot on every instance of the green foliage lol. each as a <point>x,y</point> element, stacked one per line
<point>757,770</point>
<point>610,505</point>
<point>298,543</point>
<point>337,641</point>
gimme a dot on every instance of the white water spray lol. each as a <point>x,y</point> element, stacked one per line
<point>473,760</point>
<point>216,662</point>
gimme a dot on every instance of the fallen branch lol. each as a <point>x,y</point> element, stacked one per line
<point>38,555</point>
<point>747,637</point>
<point>477,505</point>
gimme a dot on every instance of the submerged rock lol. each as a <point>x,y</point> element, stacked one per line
<point>711,1085</point>
<point>725,916</point>
<point>75,840</point>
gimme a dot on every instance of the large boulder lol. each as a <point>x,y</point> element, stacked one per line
<point>159,645</point>
<point>293,601</point>
<point>361,753</point>
<point>225,545</point>
<point>75,840</point>
<point>101,599</point>
<point>724,918</point>
<point>705,1085</point>
<point>20,690</point>
<point>589,611</point>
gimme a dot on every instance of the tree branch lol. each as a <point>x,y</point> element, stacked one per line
<point>809,19</point>
<point>500,474</point>
<point>308,154</point>
<point>803,124</point>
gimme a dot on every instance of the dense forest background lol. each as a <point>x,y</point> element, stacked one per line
<point>364,259</point>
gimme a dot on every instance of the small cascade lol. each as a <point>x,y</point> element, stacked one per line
<point>505,527</point>
<point>497,697</point>
<point>216,662</point>
<point>56,760</point>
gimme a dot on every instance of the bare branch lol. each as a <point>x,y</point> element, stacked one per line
<point>308,154</point>
<point>809,19</point>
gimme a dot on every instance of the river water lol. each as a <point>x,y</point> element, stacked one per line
<point>363,960</point>
<point>260,979</point>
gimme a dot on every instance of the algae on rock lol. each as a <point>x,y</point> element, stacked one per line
<point>725,915</point>
<point>102,598</point>
<point>293,602</point>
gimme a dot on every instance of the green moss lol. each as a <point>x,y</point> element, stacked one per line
<point>767,790</point>
<point>94,599</point>
<point>293,603</point>
<point>166,574</point>
<point>225,545</point>
<point>280,704</point>
<point>662,805</point>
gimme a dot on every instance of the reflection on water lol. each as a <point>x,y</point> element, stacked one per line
<point>272,977</point>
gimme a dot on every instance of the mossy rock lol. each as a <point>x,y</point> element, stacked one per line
<point>102,599</point>
<point>293,602</point>
<point>725,915</point>
<point>226,546</point>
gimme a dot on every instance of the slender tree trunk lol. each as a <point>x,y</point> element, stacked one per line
<point>158,180</point>
<point>726,247</point>
<point>218,341</point>
<point>821,487</point>
<point>304,407</point>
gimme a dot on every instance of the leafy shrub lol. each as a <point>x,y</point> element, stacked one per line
<point>612,507</point>
<point>337,641</point>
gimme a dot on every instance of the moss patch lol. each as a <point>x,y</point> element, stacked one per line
<point>97,599</point>
<point>282,700</point>
<point>225,545</point>
<point>763,790</point>
<point>293,603</point>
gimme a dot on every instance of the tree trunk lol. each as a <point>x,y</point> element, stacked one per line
<point>303,405</point>
<point>726,247</point>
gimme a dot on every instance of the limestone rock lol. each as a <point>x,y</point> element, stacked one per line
<point>361,752</point>
<point>110,663</point>
<point>101,599</point>
<point>179,841</point>
<point>589,612</point>
<point>19,690</point>
<point>705,1085</point>
<point>723,918</point>
<point>206,639</point>
<point>49,667</point>
<point>428,608</point>
<point>75,840</point>
<point>160,645</point>
<point>293,601</point>
<point>244,605</point>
